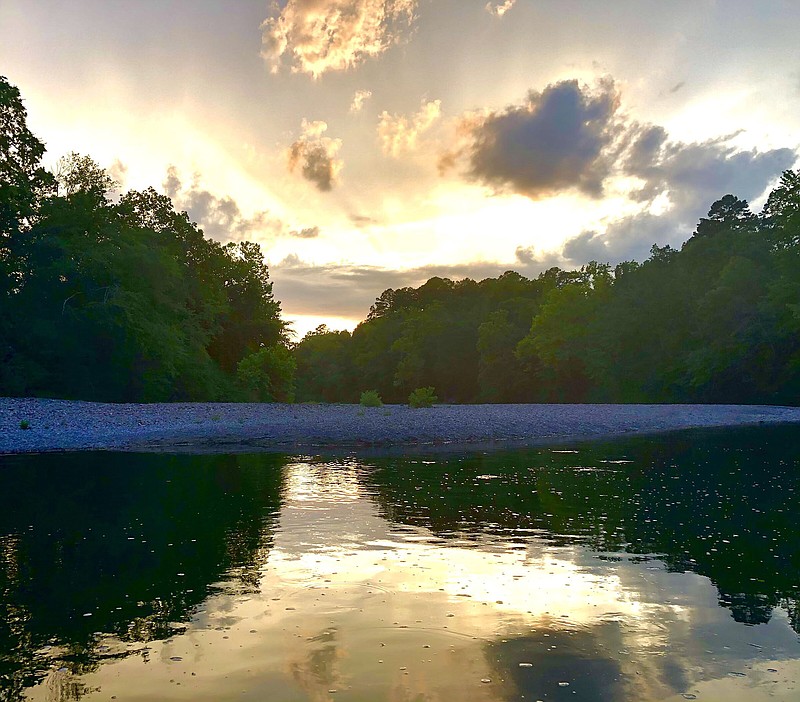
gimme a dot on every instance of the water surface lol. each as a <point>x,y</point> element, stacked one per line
<point>649,569</point>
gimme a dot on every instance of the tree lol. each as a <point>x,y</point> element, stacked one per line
<point>729,213</point>
<point>501,375</point>
<point>560,339</point>
<point>267,375</point>
<point>22,179</point>
<point>80,174</point>
<point>252,316</point>
<point>124,301</point>
<point>325,367</point>
<point>781,213</point>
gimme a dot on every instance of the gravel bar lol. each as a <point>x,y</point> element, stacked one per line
<point>62,425</point>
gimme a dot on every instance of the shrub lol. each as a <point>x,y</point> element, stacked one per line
<point>422,397</point>
<point>371,398</point>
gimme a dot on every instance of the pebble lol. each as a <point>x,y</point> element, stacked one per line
<point>64,424</point>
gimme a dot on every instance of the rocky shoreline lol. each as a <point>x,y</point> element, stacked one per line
<point>61,425</point>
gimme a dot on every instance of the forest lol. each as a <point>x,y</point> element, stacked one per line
<point>121,298</point>
<point>716,321</point>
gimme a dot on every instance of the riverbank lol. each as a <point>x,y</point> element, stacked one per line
<point>61,425</point>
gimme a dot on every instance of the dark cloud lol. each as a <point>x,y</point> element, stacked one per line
<point>630,238</point>
<point>646,144</point>
<point>695,175</point>
<point>690,178</point>
<point>531,263</point>
<point>350,290</point>
<point>219,217</point>
<point>573,137</point>
<point>558,139</point>
<point>317,164</point>
<point>307,233</point>
<point>315,154</point>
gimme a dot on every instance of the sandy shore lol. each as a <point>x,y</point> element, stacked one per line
<point>55,425</point>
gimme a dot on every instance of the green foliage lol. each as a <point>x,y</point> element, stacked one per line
<point>267,375</point>
<point>126,300</point>
<point>324,367</point>
<point>118,301</point>
<point>559,342</point>
<point>716,321</point>
<point>370,398</point>
<point>80,174</point>
<point>422,397</point>
<point>22,179</point>
<point>726,215</point>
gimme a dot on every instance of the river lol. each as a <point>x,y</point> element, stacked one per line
<point>651,568</point>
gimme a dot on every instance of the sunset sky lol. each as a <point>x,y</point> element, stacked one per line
<point>368,144</point>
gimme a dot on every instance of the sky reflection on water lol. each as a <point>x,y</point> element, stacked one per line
<point>402,579</point>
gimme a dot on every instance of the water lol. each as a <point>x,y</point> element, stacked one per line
<point>649,569</point>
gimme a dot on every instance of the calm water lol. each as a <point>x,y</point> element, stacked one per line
<point>649,569</point>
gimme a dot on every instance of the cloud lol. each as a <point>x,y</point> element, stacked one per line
<point>118,172</point>
<point>359,98</point>
<point>530,263</point>
<point>362,221</point>
<point>315,36</point>
<point>499,10</point>
<point>218,217</point>
<point>399,134</point>
<point>685,179</point>
<point>316,155</point>
<point>696,174</point>
<point>172,183</point>
<point>629,238</point>
<point>346,290</point>
<point>307,233</point>
<point>562,138</point>
<point>221,217</point>
<point>570,137</point>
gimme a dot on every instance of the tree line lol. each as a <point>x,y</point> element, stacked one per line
<point>123,299</point>
<point>716,321</point>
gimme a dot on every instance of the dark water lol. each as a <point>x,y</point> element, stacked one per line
<point>649,569</point>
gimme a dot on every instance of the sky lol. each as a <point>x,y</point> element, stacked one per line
<point>373,144</point>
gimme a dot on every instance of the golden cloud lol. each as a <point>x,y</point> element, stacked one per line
<point>315,36</point>
<point>399,134</point>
